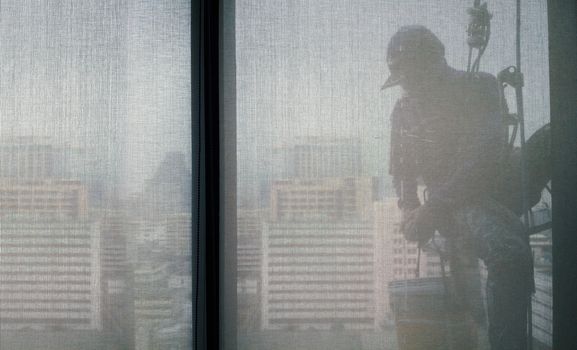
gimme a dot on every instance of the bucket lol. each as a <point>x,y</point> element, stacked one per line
<point>425,317</point>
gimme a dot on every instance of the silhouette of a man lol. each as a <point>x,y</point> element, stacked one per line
<point>447,131</point>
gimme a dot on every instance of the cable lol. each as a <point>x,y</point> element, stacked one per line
<point>469,59</point>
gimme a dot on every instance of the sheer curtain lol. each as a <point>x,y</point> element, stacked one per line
<point>317,222</point>
<point>95,173</point>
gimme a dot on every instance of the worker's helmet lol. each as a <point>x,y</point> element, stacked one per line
<point>412,49</point>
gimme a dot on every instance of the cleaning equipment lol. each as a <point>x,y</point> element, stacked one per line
<point>478,33</point>
<point>427,318</point>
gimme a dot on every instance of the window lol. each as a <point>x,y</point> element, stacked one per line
<point>308,77</point>
<point>563,52</point>
<point>95,175</point>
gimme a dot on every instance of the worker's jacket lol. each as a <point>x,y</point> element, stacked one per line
<point>453,137</point>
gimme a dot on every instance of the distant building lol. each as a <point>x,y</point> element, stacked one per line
<point>542,242</point>
<point>307,157</point>
<point>152,232</point>
<point>173,337</point>
<point>49,274</point>
<point>150,311</point>
<point>163,305</point>
<point>152,302</point>
<point>318,244</point>
<point>87,166</point>
<point>179,234</point>
<point>249,266</point>
<point>169,190</point>
<point>116,230</point>
<point>316,157</point>
<point>345,198</point>
<point>57,198</point>
<point>543,310</point>
<point>26,158</point>
<point>249,241</point>
<point>319,275</point>
<point>30,159</point>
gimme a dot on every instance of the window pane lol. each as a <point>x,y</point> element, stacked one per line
<point>95,172</point>
<point>322,262</point>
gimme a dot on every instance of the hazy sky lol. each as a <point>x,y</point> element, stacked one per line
<point>315,68</point>
<point>159,95</point>
<point>112,76</point>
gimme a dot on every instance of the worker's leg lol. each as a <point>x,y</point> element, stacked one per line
<point>498,238</point>
<point>466,277</point>
<point>507,309</point>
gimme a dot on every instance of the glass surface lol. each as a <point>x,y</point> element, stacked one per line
<point>95,173</point>
<point>321,259</point>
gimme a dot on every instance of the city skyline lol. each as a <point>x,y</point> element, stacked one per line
<point>95,174</point>
<point>324,254</point>
<point>86,269</point>
<point>110,76</point>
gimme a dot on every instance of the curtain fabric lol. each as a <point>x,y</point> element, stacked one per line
<point>320,257</point>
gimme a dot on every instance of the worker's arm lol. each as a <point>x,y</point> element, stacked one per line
<point>401,166</point>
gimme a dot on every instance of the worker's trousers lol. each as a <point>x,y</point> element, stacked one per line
<point>488,231</point>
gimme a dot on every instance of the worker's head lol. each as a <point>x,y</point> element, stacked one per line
<point>414,56</point>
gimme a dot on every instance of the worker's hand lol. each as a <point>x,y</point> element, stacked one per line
<point>419,225</point>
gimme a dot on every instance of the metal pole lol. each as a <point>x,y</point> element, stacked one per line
<point>521,118</point>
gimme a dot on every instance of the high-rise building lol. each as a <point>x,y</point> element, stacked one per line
<point>248,269</point>
<point>542,242</point>
<point>153,304</point>
<point>79,163</point>
<point>49,274</point>
<point>117,306</point>
<point>318,244</point>
<point>543,310</point>
<point>169,190</point>
<point>47,197</point>
<point>303,158</point>
<point>179,234</point>
<point>316,157</point>
<point>249,241</point>
<point>163,304</point>
<point>116,231</point>
<point>347,198</point>
<point>26,158</point>
<point>319,275</point>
